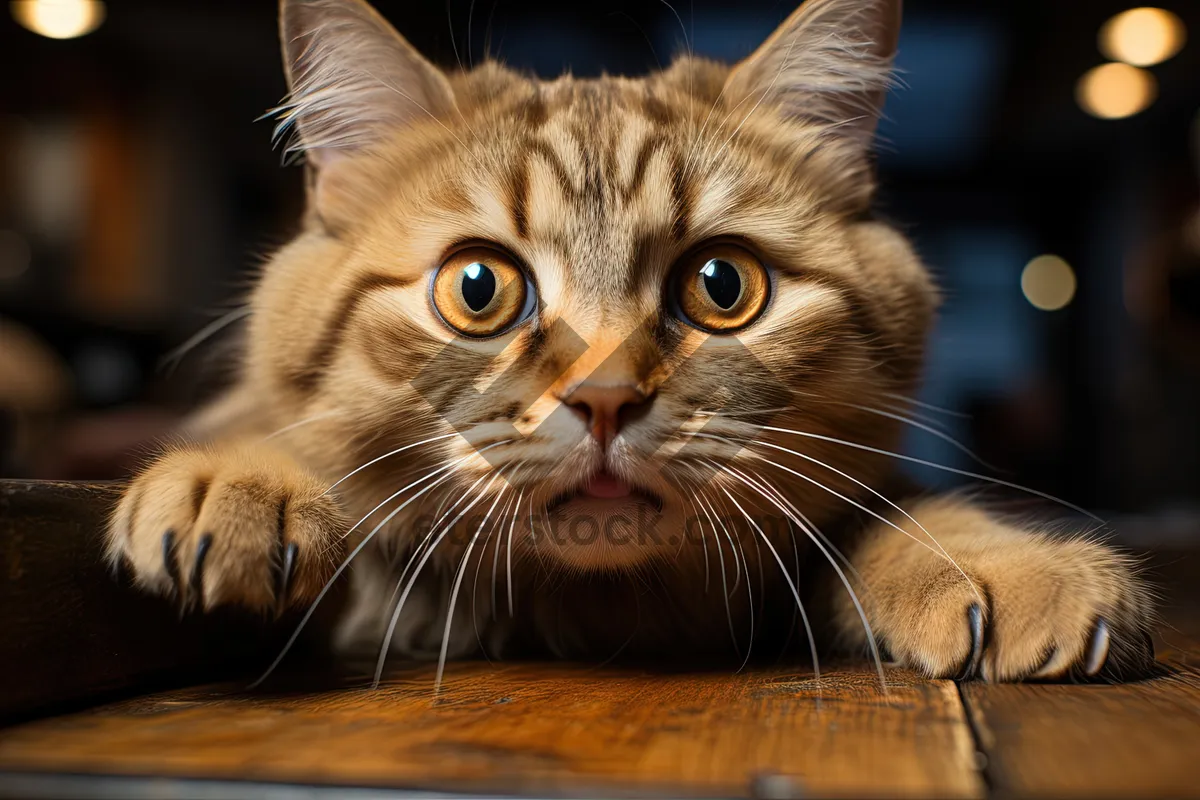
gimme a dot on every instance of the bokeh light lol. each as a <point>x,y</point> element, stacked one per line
<point>59,19</point>
<point>1048,283</point>
<point>1142,36</point>
<point>1113,91</point>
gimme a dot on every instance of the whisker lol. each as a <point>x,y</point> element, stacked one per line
<point>301,423</point>
<point>803,518</point>
<point>732,111</point>
<point>173,358</point>
<point>749,587</point>
<point>508,548</point>
<point>749,602</point>
<point>927,406</point>
<point>748,412</point>
<point>681,25</point>
<point>725,590</point>
<point>434,117</point>
<point>758,561</point>
<point>515,506</point>
<point>703,538</point>
<point>795,566</point>
<point>929,419</point>
<point>453,43</point>
<point>787,57</point>
<point>458,579</point>
<point>420,548</point>
<point>376,460</point>
<point>813,529</point>
<point>459,500</point>
<point>533,535</point>
<point>387,639</point>
<point>737,564</point>
<point>812,644</point>
<point>345,563</point>
<point>841,575</point>
<point>893,409</point>
<point>393,496</point>
<point>642,31</point>
<point>694,150</point>
<point>945,437</point>
<point>944,468</point>
<point>941,551</point>
<point>470,19</point>
<point>479,566</point>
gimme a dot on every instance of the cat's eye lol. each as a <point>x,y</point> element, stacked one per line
<point>481,291</point>
<point>721,287</point>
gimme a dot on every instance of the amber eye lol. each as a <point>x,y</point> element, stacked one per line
<point>480,291</point>
<point>721,287</point>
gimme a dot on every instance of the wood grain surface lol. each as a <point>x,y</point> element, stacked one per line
<point>541,729</point>
<point>1132,740</point>
<point>1137,739</point>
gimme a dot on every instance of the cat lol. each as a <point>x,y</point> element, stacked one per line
<point>621,345</point>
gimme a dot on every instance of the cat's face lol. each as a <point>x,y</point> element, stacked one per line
<point>593,293</point>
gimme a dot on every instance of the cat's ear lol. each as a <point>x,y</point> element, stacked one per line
<point>830,61</point>
<point>352,78</point>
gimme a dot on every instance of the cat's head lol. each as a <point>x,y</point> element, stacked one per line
<point>608,292</point>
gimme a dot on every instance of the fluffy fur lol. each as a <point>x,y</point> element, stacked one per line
<point>598,187</point>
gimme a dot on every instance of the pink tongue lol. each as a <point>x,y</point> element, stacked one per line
<point>606,486</point>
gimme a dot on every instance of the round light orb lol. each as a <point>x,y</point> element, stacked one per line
<point>1142,36</point>
<point>59,19</point>
<point>1115,91</point>
<point>1048,283</point>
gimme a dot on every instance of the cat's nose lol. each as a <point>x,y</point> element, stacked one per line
<point>604,407</point>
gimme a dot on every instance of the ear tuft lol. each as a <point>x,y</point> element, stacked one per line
<point>829,62</point>
<point>352,79</point>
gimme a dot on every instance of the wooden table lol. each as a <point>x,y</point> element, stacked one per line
<point>526,729</point>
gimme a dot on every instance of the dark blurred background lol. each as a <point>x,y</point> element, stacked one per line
<point>1056,202</point>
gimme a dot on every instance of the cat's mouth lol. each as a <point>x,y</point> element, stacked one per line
<point>609,489</point>
<point>603,523</point>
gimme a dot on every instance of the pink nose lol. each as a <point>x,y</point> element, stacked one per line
<point>604,407</point>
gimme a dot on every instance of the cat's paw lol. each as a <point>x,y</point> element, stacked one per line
<point>229,525</point>
<point>1035,609</point>
<point>1013,605</point>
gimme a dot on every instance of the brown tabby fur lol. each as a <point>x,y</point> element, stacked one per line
<point>599,186</point>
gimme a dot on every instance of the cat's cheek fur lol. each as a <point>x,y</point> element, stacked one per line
<point>1037,606</point>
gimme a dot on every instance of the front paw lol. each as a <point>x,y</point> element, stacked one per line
<point>210,527</point>
<point>1038,609</point>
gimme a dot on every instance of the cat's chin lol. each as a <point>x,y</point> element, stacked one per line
<point>604,525</point>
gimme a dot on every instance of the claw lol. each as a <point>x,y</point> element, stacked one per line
<point>287,572</point>
<point>975,622</point>
<point>1047,667</point>
<point>196,582</point>
<point>170,563</point>
<point>1098,648</point>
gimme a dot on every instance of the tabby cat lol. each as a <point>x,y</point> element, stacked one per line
<point>594,366</point>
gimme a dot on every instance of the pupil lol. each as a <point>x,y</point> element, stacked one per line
<point>722,282</point>
<point>478,286</point>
